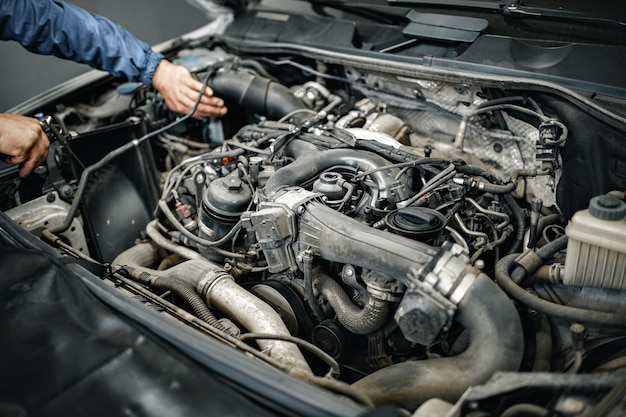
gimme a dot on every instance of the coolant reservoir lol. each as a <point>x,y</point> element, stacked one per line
<point>596,249</point>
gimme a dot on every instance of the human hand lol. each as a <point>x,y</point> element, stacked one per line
<point>23,140</point>
<point>180,91</point>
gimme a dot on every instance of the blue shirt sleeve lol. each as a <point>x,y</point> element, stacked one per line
<point>57,28</point>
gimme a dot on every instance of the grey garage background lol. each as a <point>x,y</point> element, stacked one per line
<point>24,74</point>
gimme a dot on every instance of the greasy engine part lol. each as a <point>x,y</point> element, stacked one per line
<point>315,222</point>
<point>221,292</point>
<point>487,315</point>
<point>496,344</point>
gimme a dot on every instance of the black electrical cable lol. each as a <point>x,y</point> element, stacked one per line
<point>198,240</point>
<point>335,371</point>
<point>82,184</point>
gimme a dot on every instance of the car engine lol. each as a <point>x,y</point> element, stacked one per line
<point>397,238</point>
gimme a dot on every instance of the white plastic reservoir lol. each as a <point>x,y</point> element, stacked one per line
<point>596,248</point>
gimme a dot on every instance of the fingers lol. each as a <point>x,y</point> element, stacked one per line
<point>208,106</point>
<point>209,100</point>
<point>23,140</point>
<point>28,167</point>
<point>180,91</point>
<point>211,107</point>
<point>37,155</point>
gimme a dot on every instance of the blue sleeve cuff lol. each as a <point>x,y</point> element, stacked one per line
<point>153,59</point>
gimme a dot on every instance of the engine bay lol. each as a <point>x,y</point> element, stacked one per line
<point>393,238</point>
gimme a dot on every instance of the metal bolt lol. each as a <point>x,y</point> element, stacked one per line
<point>479,264</point>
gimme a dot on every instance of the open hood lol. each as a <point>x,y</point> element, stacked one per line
<point>410,209</point>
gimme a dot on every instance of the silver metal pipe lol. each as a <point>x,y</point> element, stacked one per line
<point>220,291</point>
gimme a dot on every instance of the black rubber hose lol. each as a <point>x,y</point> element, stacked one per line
<point>300,147</point>
<point>475,171</point>
<point>573,314</point>
<point>193,300</point>
<point>488,187</point>
<point>256,94</point>
<point>495,344</point>
<point>549,249</point>
<point>544,253</point>
<point>520,221</point>
<point>357,320</point>
<point>525,410</point>
<point>181,289</point>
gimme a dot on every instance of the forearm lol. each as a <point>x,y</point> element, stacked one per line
<point>66,31</point>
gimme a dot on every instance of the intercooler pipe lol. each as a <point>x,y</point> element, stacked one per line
<point>340,238</point>
<point>256,94</point>
<point>495,344</point>
<point>221,292</point>
<point>143,254</point>
<point>181,289</point>
<point>357,320</point>
<point>312,164</point>
<point>488,315</point>
<point>148,254</point>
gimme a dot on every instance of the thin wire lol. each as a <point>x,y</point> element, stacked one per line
<point>306,69</point>
<point>441,178</point>
<point>82,184</point>
<point>335,370</point>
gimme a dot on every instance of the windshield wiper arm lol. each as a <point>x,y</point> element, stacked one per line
<point>470,4</point>
<point>515,8</point>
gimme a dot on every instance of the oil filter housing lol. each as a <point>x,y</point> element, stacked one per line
<point>223,202</point>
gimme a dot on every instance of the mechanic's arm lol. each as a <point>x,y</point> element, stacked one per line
<point>22,141</point>
<point>52,27</point>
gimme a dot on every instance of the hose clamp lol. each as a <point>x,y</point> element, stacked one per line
<point>208,282</point>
